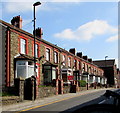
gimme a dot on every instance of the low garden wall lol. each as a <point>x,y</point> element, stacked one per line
<point>66,89</point>
<point>7,100</point>
<point>46,91</point>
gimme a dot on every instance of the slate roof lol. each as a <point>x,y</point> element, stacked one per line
<point>24,57</point>
<point>48,63</point>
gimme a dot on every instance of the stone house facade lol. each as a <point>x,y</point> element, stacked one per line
<point>52,61</point>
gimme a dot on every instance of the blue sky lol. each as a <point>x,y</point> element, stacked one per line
<point>90,27</point>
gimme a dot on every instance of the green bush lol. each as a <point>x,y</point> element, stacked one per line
<point>82,83</point>
<point>6,94</point>
<point>44,86</point>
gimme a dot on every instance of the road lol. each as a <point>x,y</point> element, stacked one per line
<point>71,104</point>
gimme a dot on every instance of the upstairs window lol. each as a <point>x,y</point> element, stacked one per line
<point>83,66</point>
<point>79,64</point>
<point>75,63</point>
<point>55,57</point>
<point>69,61</point>
<point>36,50</point>
<point>64,59</point>
<point>47,54</point>
<point>22,46</point>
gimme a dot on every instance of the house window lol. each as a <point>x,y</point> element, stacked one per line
<point>47,54</point>
<point>55,57</point>
<point>69,61</point>
<point>64,58</point>
<point>83,67</point>
<point>75,63</point>
<point>22,46</point>
<point>36,50</point>
<point>49,74</point>
<point>79,63</point>
<point>25,69</point>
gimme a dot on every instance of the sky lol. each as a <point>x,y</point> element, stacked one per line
<point>90,26</point>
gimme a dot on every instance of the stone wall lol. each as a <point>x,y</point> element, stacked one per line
<point>83,88</point>
<point>66,89</point>
<point>30,47</point>
<point>42,52</point>
<point>7,100</point>
<point>14,50</point>
<point>2,55</point>
<point>46,91</point>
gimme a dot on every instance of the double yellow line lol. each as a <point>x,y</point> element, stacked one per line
<point>49,103</point>
<point>85,93</point>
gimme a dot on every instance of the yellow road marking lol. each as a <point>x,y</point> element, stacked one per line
<point>52,102</point>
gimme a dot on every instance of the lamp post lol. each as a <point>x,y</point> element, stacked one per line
<point>105,67</point>
<point>105,57</point>
<point>34,5</point>
<point>105,60</point>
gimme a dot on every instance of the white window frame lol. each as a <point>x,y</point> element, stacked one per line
<point>69,61</point>
<point>22,46</point>
<point>47,54</point>
<point>64,59</point>
<point>36,50</point>
<point>55,57</point>
<point>26,67</point>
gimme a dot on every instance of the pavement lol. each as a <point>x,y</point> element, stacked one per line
<point>46,101</point>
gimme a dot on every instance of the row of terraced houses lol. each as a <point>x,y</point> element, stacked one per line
<point>52,61</point>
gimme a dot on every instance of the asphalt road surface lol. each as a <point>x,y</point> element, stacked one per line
<point>71,104</point>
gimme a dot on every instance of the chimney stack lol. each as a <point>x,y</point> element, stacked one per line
<point>73,51</point>
<point>17,22</point>
<point>79,54</point>
<point>90,60</point>
<point>85,57</point>
<point>38,32</point>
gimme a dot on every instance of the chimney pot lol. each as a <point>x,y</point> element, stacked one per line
<point>85,57</point>
<point>17,22</point>
<point>79,54</point>
<point>90,60</point>
<point>38,32</point>
<point>73,51</point>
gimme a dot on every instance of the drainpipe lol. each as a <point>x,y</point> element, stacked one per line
<point>8,57</point>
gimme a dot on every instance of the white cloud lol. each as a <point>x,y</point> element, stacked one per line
<point>14,7</point>
<point>22,6</point>
<point>112,38</point>
<point>87,31</point>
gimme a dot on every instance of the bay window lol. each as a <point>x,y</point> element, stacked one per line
<point>25,69</point>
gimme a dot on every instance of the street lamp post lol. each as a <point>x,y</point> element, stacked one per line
<point>34,5</point>
<point>105,57</point>
<point>105,61</point>
<point>105,66</point>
